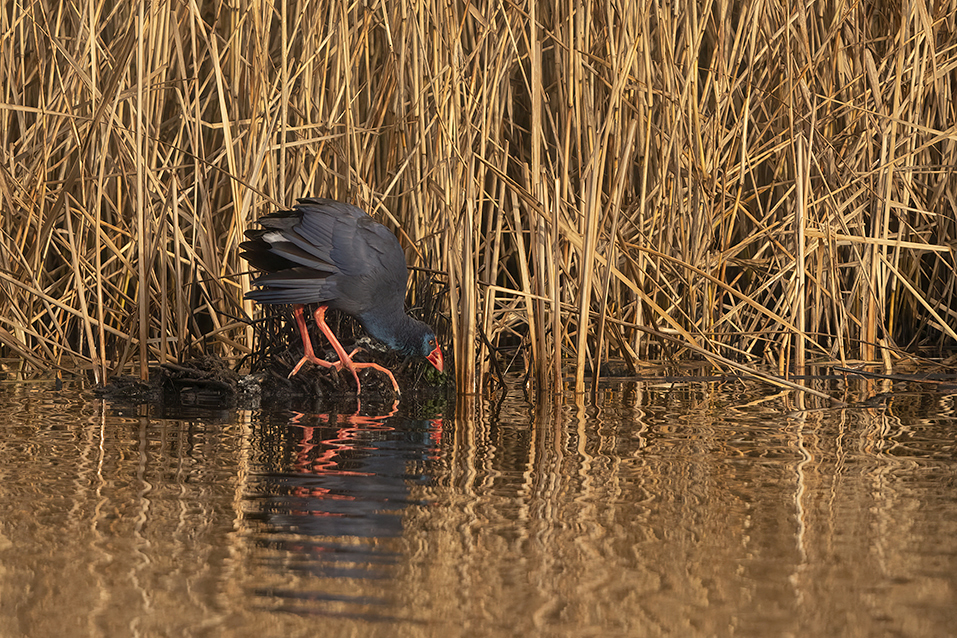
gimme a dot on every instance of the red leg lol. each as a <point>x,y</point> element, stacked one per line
<point>309,354</point>
<point>345,360</point>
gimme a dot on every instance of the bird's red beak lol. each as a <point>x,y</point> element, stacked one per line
<point>435,358</point>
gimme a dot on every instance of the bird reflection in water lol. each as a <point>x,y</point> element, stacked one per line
<point>328,494</point>
<point>332,456</point>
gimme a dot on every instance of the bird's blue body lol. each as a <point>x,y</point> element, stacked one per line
<point>333,254</point>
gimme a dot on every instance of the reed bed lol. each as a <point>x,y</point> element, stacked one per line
<point>761,182</point>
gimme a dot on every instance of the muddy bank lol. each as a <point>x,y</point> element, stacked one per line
<point>210,383</point>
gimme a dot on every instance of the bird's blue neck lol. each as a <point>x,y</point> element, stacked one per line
<point>395,329</point>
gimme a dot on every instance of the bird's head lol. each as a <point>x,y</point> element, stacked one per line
<point>430,350</point>
<point>408,336</point>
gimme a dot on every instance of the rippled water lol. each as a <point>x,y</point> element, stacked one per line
<point>699,510</point>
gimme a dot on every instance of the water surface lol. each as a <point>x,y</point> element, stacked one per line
<point>705,509</point>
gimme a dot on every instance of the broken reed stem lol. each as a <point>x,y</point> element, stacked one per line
<point>576,172</point>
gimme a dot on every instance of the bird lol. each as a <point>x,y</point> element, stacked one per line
<point>335,255</point>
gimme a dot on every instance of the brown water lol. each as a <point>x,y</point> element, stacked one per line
<point>698,510</point>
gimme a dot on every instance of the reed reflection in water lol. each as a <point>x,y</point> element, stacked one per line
<point>698,510</point>
<point>704,509</point>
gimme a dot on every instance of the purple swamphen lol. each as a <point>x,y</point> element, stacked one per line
<point>335,255</point>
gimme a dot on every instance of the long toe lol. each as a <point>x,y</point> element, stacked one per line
<point>316,360</point>
<point>298,366</point>
<point>376,366</point>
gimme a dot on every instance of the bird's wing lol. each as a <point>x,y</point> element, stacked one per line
<point>379,251</point>
<point>292,286</point>
<point>369,260</point>
<point>331,252</point>
<point>349,239</point>
<point>275,250</point>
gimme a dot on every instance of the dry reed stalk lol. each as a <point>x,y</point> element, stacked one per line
<point>575,172</point>
<point>800,283</point>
